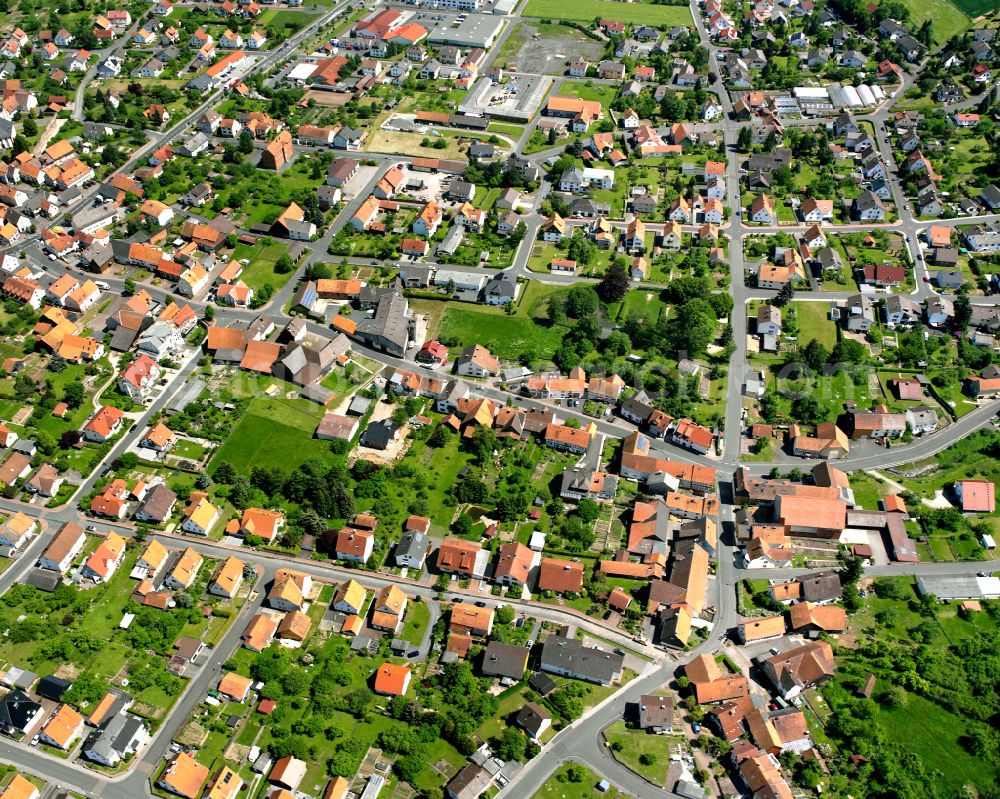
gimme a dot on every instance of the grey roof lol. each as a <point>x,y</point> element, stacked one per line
<point>379,434</point>
<point>316,393</point>
<point>415,273</point>
<point>158,502</point>
<point>542,683</point>
<point>43,579</point>
<point>531,717</point>
<point>359,405</point>
<point>571,656</point>
<point>922,414</point>
<point>991,195</point>
<point>821,587</point>
<point>413,544</point>
<point>956,586</point>
<point>114,740</point>
<point>504,660</point>
<point>190,393</point>
<point>391,321</point>
<point>503,286</point>
<point>20,678</point>
<point>470,782</point>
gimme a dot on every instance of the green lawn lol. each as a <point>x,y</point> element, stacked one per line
<point>418,616</point>
<point>867,490</point>
<point>586,90</point>
<point>505,336</point>
<point>831,391</point>
<point>188,449</point>
<point>971,457</point>
<point>947,18</point>
<point>635,744</point>
<point>638,302</point>
<point>586,10</point>
<point>559,785</point>
<point>275,431</point>
<point>764,456</point>
<point>260,270</point>
<point>814,323</point>
<point>952,392</point>
<point>286,19</point>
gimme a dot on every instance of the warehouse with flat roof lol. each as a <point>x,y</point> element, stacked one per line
<point>517,99</point>
<point>467,30</point>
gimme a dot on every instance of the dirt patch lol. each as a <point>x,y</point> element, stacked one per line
<point>149,711</point>
<point>545,49</point>
<point>329,98</point>
<point>404,791</point>
<point>192,735</point>
<point>442,767</point>
<point>396,448</point>
<point>236,753</point>
<point>67,672</point>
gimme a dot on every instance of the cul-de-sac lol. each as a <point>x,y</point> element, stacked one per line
<point>499,399</point>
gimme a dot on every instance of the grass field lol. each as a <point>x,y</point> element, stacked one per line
<point>932,733</point>
<point>260,270</point>
<point>929,730</point>
<point>504,129</point>
<point>814,323</point>
<point>585,90</point>
<point>638,301</point>
<point>394,141</point>
<point>274,432</point>
<point>505,336</point>
<point>558,786</point>
<point>975,8</point>
<point>443,465</point>
<point>947,18</point>
<point>286,19</point>
<point>634,744</point>
<point>636,13</point>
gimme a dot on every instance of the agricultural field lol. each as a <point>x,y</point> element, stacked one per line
<point>948,17</point>
<point>586,10</point>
